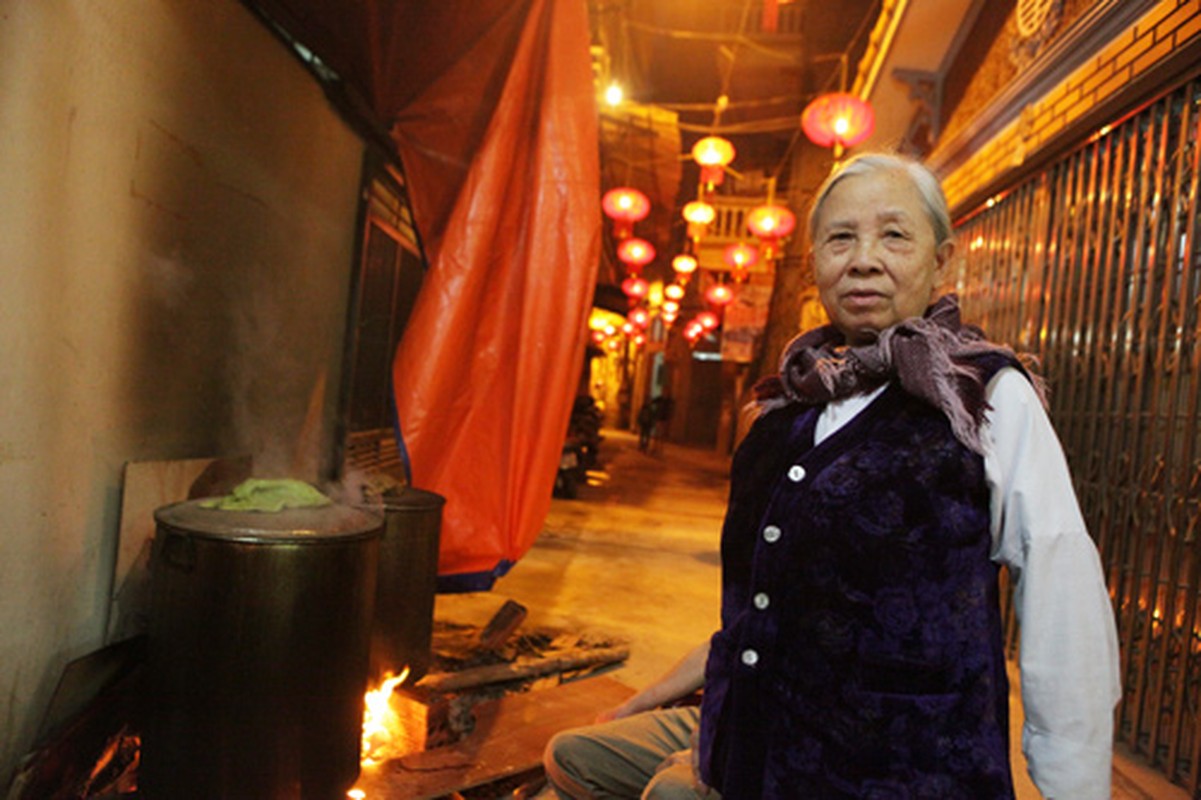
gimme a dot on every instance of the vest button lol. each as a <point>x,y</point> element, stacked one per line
<point>796,473</point>
<point>761,600</point>
<point>771,534</point>
<point>750,657</point>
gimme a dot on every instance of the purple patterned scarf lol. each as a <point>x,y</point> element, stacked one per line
<point>936,358</point>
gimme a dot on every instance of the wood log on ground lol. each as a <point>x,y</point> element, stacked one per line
<point>502,625</point>
<point>523,668</point>
<point>509,738</point>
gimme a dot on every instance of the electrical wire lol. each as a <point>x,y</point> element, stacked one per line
<point>770,125</point>
<point>739,39</point>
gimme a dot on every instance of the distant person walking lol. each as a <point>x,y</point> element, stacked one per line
<point>663,406</point>
<point>646,425</point>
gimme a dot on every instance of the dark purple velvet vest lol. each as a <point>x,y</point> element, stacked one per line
<point>860,654</point>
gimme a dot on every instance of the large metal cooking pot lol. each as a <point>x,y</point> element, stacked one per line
<point>258,646</point>
<point>408,576</point>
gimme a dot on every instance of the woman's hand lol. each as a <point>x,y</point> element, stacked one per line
<point>685,677</point>
<point>617,712</point>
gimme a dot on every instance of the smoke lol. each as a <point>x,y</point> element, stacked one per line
<point>276,382</point>
<point>363,488</point>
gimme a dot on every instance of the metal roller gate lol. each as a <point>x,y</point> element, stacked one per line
<point>1094,266</point>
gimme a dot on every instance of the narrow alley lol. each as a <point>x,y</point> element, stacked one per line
<point>636,556</point>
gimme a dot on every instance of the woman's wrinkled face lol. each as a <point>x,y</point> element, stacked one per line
<point>874,255</point>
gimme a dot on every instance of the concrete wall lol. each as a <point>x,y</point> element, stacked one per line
<point>177,207</point>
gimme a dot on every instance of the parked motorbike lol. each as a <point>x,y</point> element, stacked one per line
<point>584,426</point>
<point>581,448</point>
<point>572,471</point>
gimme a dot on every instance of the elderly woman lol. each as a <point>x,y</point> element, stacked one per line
<point>899,459</point>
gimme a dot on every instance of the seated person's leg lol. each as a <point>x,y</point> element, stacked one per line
<point>617,758</point>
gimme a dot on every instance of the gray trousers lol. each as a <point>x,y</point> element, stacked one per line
<point>620,758</point>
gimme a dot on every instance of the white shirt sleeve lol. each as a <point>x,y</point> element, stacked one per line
<point>1069,650</point>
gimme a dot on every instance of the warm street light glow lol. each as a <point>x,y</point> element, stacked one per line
<point>614,94</point>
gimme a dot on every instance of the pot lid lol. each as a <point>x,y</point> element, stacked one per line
<point>291,524</point>
<point>411,498</point>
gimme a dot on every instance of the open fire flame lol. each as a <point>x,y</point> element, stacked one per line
<point>381,723</point>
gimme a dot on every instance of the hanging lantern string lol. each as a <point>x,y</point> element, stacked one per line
<point>761,102</point>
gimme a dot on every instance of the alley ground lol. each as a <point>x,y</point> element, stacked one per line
<point>635,556</point>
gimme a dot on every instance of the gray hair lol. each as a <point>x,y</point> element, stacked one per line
<point>926,183</point>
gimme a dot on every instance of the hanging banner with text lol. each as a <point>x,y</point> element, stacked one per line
<point>744,323</point>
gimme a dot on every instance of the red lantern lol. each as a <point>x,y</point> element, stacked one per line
<point>838,120</point>
<point>636,252</point>
<point>684,265</point>
<point>740,257</point>
<point>771,224</point>
<point>693,331</point>
<point>713,153</point>
<point>673,291</point>
<point>639,316</point>
<point>719,294</point>
<point>639,339</point>
<point>708,320</point>
<point>625,206</point>
<point>699,214</point>
<point>635,287</point>
<point>670,308</point>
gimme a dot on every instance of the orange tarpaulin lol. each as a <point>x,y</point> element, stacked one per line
<point>490,104</point>
<point>486,373</point>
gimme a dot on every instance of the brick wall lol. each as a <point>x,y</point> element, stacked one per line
<point>1136,52</point>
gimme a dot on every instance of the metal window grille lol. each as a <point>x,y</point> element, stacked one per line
<point>1094,266</point>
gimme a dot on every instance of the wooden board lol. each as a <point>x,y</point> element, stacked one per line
<point>509,736</point>
<point>148,485</point>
